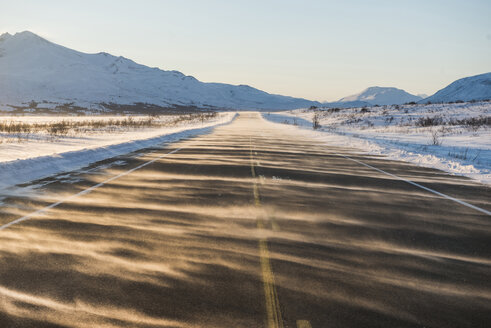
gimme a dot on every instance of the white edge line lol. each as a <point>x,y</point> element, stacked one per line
<point>85,191</point>
<point>461,202</point>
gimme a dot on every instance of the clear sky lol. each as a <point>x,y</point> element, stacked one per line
<point>316,49</point>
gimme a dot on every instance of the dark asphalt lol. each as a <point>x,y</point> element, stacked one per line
<point>252,225</point>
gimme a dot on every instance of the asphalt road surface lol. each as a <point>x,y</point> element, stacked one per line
<point>252,225</point>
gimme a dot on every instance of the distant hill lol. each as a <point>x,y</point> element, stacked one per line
<point>477,87</point>
<point>382,96</point>
<point>346,104</point>
<point>34,69</point>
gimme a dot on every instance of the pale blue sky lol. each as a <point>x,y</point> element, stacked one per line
<point>317,49</point>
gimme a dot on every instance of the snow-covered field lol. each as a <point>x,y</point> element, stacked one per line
<point>41,154</point>
<point>455,138</point>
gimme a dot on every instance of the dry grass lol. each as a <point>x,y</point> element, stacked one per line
<point>14,131</point>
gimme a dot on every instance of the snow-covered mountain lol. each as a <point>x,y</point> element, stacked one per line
<point>477,87</point>
<point>382,96</point>
<point>32,68</point>
<point>346,104</point>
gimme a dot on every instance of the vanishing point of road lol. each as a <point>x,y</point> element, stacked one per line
<point>250,225</point>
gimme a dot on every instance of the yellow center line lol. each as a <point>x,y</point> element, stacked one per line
<point>303,324</point>
<point>273,310</point>
<point>272,303</point>
<point>274,225</point>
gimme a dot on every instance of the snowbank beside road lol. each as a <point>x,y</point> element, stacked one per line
<point>466,153</point>
<point>37,160</point>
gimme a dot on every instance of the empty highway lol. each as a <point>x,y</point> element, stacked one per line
<point>251,225</point>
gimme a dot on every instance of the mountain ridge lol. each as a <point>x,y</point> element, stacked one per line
<point>382,96</point>
<point>476,87</point>
<point>35,69</point>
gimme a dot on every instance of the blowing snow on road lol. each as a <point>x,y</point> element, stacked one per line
<point>250,225</point>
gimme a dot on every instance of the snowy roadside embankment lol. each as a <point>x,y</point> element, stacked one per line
<point>35,160</point>
<point>455,149</point>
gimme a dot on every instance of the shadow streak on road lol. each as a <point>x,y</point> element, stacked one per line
<point>175,244</point>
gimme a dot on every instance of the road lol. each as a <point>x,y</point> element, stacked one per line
<point>252,225</point>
